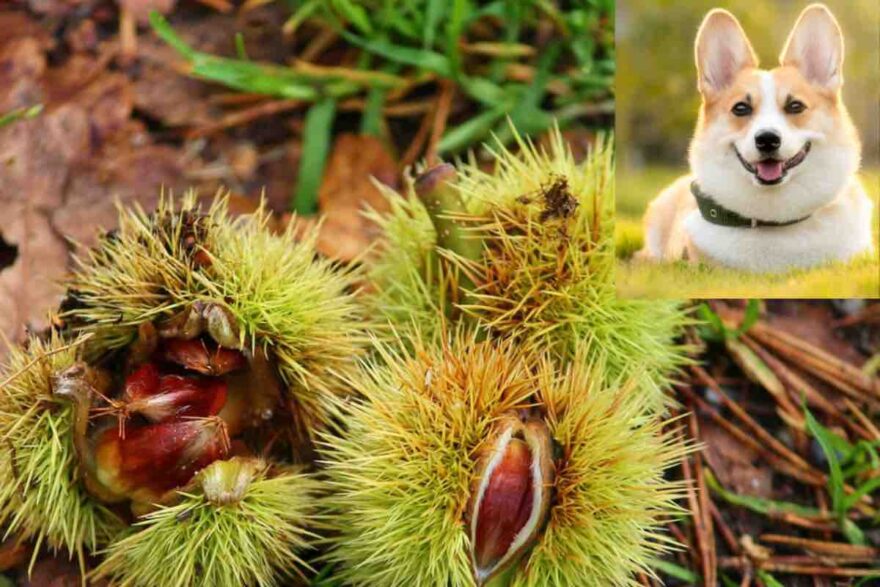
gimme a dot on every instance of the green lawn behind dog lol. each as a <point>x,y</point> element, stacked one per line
<point>635,188</point>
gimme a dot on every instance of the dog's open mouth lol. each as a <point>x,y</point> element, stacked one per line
<point>772,171</point>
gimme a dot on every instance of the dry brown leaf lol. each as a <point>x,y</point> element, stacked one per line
<point>347,190</point>
<point>135,176</point>
<point>61,172</point>
<point>814,323</point>
<point>57,8</point>
<point>13,552</point>
<point>35,159</point>
<point>171,98</point>
<point>28,288</point>
<point>53,571</point>
<point>733,463</point>
<point>22,64</point>
<point>141,9</point>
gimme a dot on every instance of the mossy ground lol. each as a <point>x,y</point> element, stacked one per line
<point>635,188</point>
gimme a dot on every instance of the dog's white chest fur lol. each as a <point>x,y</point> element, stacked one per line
<point>835,232</point>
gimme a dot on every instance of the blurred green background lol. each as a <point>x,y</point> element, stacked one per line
<point>656,90</point>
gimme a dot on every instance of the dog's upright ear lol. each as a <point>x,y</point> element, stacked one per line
<point>722,51</point>
<point>815,47</point>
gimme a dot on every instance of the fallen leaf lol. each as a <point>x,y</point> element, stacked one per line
<point>53,571</point>
<point>171,98</point>
<point>125,178</point>
<point>13,552</point>
<point>814,323</point>
<point>348,189</point>
<point>22,64</point>
<point>56,8</point>
<point>141,9</point>
<point>62,172</point>
<point>734,463</point>
<point>28,288</point>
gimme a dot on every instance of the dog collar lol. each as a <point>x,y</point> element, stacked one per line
<point>715,213</point>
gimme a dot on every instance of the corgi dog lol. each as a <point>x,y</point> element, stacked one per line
<point>774,158</point>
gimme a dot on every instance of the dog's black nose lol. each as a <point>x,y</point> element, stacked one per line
<point>768,141</point>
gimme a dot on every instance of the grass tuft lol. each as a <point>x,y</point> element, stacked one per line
<point>483,48</point>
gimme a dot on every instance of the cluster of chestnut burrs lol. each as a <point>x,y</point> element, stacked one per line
<point>220,405</point>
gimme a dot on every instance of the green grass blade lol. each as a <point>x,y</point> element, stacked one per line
<point>434,13</point>
<point>471,131</point>
<point>371,121</point>
<point>768,579</point>
<point>852,532</point>
<point>866,488</point>
<point>712,328</point>
<point>167,34</point>
<point>422,58</point>
<point>753,312</point>
<point>20,114</point>
<point>757,504</point>
<point>454,29</point>
<point>260,78</point>
<point>835,480</point>
<point>830,444</point>
<point>302,14</point>
<point>676,571</point>
<point>240,49</point>
<point>316,145</point>
<point>355,14</point>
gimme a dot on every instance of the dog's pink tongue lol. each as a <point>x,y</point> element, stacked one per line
<point>769,170</point>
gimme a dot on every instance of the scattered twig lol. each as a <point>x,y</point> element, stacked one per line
<point>867,315</point>
<point>820,363</point>
<point>837,549</point>
<point>704,512</point>
<point>772,459</point>
<point>776,565</point>
<point>419,140</point>
<point>752,425</point>
<point>246,116</point>
<point>223,6</point>
<point>725,530</point>
<point>127,35</point>
<point>441,115</point>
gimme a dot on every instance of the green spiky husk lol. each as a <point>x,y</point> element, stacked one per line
<point>258,540</point>
<point>283,298</point>
<point>543,281</point>
<point>402,473</point>
<point>41,498</point>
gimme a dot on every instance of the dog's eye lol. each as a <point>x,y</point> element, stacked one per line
<point>741,109</point>
<point>795,107</point>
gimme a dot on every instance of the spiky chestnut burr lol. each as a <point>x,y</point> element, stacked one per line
<point>42,496</point>
<point>238,523</point>
<point>69,458</point>
<point>524,251</point>
<point>195,331</point>
<point>198,275</point>
<point>477,462</point>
